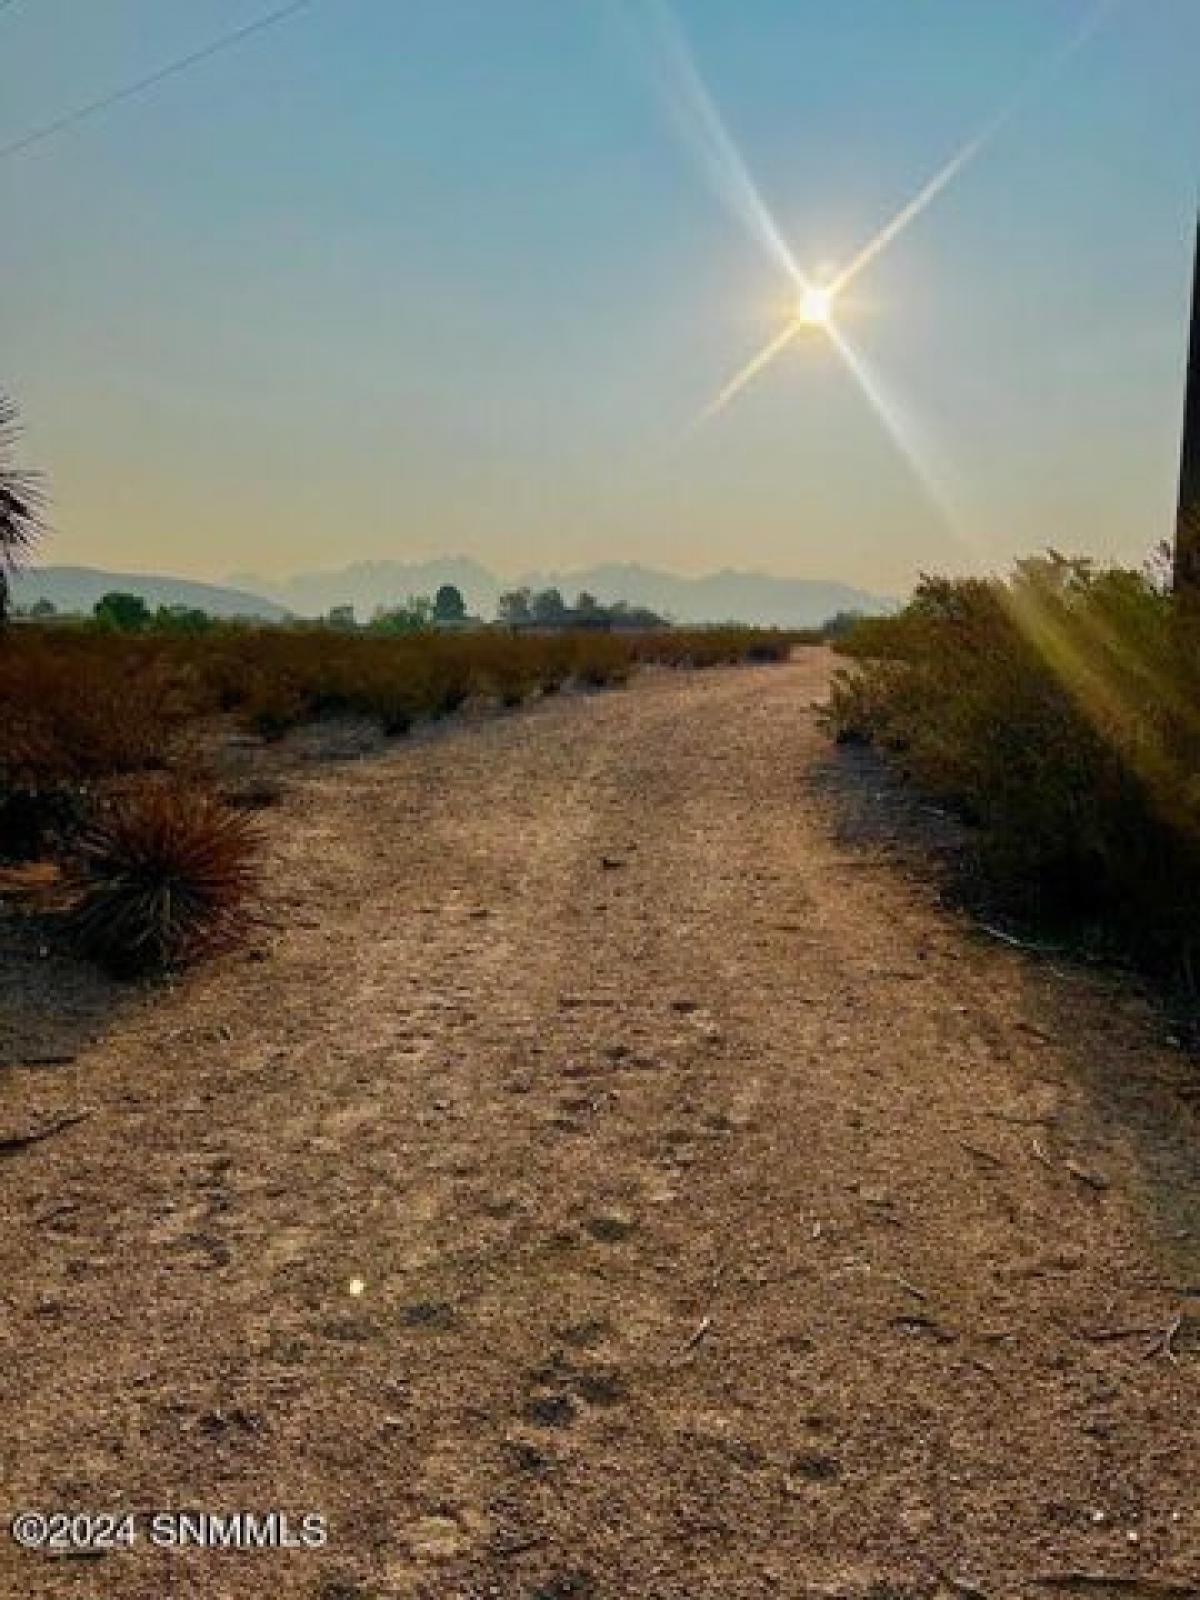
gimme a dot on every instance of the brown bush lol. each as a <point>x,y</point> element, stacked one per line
<point>81,705</point>
<point>1060,713</point>
<point>163,875</point>
<point>70,713</point>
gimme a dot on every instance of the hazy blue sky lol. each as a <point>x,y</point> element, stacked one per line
<point>401,278</point>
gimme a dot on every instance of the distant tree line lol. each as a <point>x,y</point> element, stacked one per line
<point>122,612</point>
<point>523,607</point>
<point>546,607</point>
<point>129,613</point>
<point>447,608</point>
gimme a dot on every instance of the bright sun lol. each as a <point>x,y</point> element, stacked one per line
<point>814,307</point>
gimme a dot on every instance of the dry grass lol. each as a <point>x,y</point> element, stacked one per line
<point>1060,712</point>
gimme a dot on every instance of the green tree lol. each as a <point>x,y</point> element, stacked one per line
<point>513,606</point>
<point>549,606</point>
<point>43,608</point>
<point>448,604</point>
<point>841,624</point>
<point>124,613</point>
<point>21,506</point>
<point>182,619</point>
<point>415,614</point>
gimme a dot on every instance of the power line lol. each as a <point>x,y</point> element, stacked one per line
<point>140,85</point>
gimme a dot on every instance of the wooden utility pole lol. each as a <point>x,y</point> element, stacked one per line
<point>1187,524</point>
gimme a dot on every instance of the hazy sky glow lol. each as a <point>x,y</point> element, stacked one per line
<point>399,279</point>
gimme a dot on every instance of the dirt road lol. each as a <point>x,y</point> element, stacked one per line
<point>613,1177</point>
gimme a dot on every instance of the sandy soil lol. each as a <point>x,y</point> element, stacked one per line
<point>731,1220</point>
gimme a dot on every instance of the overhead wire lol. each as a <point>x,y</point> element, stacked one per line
<point>172,69</point>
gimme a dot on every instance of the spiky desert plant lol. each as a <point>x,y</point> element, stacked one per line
<point>21,504</point>
<point>164,874</point>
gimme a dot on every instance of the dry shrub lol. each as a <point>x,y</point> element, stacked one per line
<point>1060,712</point>
<point>163,875</point>
<point>69,713</point>
<point>78,703</point>
<point>166,870</point>
<point>602,661</point>
<point>74,712</point>
<point>699,648</point>
<point>271,707</point>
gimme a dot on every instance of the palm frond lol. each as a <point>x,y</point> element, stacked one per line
<point>22,497</point>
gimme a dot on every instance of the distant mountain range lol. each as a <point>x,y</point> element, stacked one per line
<point>717,597</point>
<point>728,596</point>
<point>77,589</point>
<point>367,584</point>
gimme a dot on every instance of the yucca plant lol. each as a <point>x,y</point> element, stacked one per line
<point>21,505</point>
<point>164,874</point>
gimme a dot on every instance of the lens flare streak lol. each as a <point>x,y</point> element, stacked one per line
<point>1041,74</point>
<point>918,453</point>
<point>701,126</point>
<point>909,213</point>
<point>730,175</point>
<point>750,371</point>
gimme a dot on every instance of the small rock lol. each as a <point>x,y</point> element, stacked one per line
<point>585,1335</point>
<point>529,1457</point>
<point>428,1314</point>
<point>1094,1180</point>
<point>601,1388</point>
<point>813,1466</point>
<point>436,1539</point>
<point>610,1227</point>
<point>718,1122</point>
<point>551,1410</point>
<point>341,1589</point>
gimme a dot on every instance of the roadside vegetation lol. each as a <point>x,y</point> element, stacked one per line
<point>21,503</point>
<point>1059,713</point>
<point>113,732</point>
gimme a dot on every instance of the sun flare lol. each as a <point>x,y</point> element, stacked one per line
<point>814,307</point>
